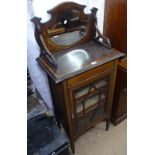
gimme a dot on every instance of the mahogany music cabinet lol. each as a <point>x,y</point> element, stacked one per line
<point>80,65</point>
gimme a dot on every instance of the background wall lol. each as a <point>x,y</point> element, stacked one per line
<point>38,8</point>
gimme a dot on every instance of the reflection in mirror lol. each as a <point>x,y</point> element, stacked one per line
<point>68,38</point>
<point>68,18</point>
<point>69,28</point>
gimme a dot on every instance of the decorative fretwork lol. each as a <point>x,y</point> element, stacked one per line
<point>90,102</point>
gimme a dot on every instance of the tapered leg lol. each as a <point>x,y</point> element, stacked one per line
<point>72,146</point>
<point>107,124</point>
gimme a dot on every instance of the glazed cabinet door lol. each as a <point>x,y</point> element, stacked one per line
<point>89,101</point>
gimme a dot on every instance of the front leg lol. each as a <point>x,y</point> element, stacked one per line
<point>107,124</point>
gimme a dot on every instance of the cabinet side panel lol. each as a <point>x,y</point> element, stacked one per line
<point>59,102</point>
<point>119,109</point>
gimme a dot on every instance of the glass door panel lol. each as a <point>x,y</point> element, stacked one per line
<point>90,102</point>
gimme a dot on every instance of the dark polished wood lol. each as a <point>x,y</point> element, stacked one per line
<point>89,56</point>
<point>81,73</point>
<point>115,23</point>
<point>119,109</point>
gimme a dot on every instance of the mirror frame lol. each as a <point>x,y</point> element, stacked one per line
<point>43,35</point>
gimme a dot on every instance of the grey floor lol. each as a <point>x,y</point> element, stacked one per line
<point>98,141</point>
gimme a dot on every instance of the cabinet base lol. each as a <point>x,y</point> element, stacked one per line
<point>118,120</point>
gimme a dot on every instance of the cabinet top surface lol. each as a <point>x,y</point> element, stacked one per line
<point>76,60</point>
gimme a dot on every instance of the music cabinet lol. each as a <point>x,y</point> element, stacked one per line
<point>80,65</point>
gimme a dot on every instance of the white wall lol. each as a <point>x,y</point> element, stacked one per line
<point>38,8</point>
<point>38,75</point>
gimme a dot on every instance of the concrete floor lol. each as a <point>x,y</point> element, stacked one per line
<point>98,141</point>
